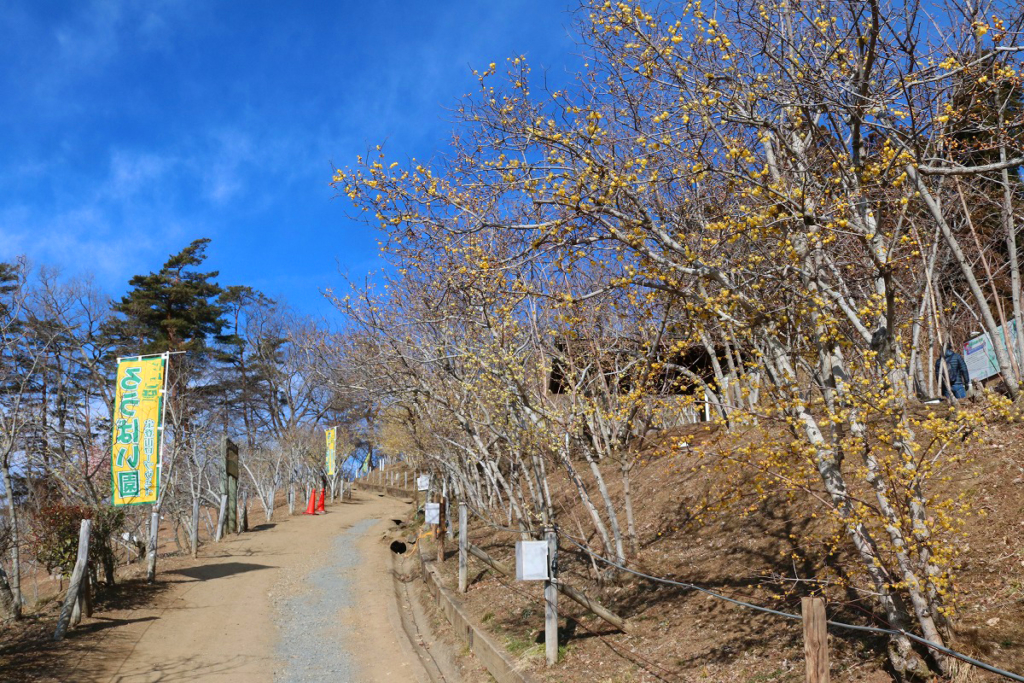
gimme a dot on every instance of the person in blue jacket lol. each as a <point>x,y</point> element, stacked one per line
<point>958,379</point>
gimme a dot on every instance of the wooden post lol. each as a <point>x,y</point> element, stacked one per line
<point>439,531</point>
<point>463,540</point>
<point>222,517</point>
<point>76,580</point>
<point>551,599</point>
<point>815,639</point>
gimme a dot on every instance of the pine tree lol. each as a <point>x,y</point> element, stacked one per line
<point>173,309</point>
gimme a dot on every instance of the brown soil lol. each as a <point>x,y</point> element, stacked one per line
<point>682,635</point>
<point>215,617</point>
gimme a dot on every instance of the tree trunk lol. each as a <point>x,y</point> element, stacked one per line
<point>901,651</point>
<point>108,560</point>
<point>613,518</point>
<point>627,495</point>
<point>439,532</point>
<point>194,531</point>
<point>86,597</point>
<point>154,532</point>
<point>243,515</point>
<point>998,345</point>
<point>1011,251</point>
<point>12,515</point>
<point>595,516</point>
<point>8,609</point>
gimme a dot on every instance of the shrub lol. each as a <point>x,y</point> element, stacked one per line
<point>56,535</point>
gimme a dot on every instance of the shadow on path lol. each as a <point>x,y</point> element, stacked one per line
<point>218,571</point>
<point>181,670</point>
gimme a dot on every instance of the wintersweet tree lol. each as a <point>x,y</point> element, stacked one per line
<point>775,170</point>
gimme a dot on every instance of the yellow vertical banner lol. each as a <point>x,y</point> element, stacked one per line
<point>332,435</point>
<point>137,426</point>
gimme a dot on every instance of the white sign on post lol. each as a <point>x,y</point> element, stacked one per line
<point>531,560</point>
<point>423,482</point>
<point>432,513</point>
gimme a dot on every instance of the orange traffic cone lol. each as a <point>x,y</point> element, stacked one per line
<point>320,505</point>
<point>311,508</point>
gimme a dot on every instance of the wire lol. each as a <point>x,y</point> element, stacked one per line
<point>494,525</point>
<point>650,664</point>
<point>788,615</point>
<point>682,584</point>
<point>767,610</point>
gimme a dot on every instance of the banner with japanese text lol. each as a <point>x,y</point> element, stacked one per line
<point>138,421</point>
<point>332,435</point>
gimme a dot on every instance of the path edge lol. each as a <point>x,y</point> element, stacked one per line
<point>493,656</point>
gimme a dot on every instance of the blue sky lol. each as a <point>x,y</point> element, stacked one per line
<point>128,129</point>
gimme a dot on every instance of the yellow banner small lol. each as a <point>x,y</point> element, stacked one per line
<point>138,421</point>
<point>332,436</point>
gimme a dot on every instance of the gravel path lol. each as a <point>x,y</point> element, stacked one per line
<point>315,645</point>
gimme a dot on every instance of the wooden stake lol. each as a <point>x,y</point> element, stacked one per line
<point>463,540</point>
<point>71,600</point>
<point>815,639</point>
<point>222,518</point>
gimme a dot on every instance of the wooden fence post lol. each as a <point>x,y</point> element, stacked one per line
<point>815,639</point>
<point>551,599</point>
<point>222,517</point>
<point>463,540</point>
<point>76,580</point>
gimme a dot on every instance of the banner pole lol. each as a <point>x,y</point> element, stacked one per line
<point>154,522</point>
<point>163,422</point>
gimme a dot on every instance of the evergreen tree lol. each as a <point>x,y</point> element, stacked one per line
<point>176,308</point>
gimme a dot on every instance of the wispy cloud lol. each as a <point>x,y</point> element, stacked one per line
<point>153,123</point>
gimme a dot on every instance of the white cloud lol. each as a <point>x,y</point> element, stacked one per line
<point>93,37</point>
<point>135,172</point>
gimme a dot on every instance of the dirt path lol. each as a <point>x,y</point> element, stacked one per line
<point>304,598</point>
